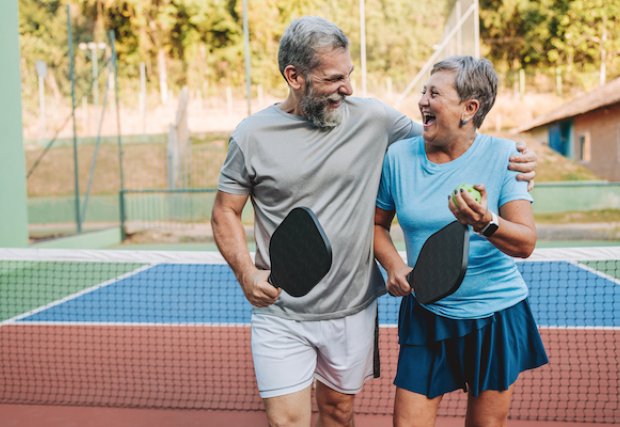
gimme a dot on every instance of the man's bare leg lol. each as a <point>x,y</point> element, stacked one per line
<point>335,408</point>
<point>290,410</point>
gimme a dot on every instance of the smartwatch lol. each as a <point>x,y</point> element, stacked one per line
<point>491,227</point>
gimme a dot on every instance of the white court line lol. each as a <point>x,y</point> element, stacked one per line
<point>116,256</point>
<point>76,295</point>
<point>212,324</point>
<point>597,272</point>
<point>130,324</point>
<point>580,328</point>
<point>551,327</point>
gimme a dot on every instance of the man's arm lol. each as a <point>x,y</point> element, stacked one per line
<point>525,163</point>
<point>231,241</point>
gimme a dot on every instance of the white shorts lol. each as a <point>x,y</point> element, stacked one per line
<point>289,354</point>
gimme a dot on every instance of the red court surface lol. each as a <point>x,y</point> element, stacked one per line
<point>65,416</point>
<point>82,367</point>
<point>131,355</point>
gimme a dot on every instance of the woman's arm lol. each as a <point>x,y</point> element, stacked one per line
<point>388,256</point>
<point>516,234</point>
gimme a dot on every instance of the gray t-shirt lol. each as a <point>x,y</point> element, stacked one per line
<point>282,161</point>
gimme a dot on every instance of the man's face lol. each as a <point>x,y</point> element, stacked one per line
<point>326,87</point>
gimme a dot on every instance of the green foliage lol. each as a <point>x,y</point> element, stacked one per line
<point>202,40</point>
<point>570,35</point>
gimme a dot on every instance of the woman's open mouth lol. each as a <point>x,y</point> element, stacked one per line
<point>428,119</point>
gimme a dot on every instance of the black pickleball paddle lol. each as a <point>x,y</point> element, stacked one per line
<point>442,263</point>
<point>300,253</point>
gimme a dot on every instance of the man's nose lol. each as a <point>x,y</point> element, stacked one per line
<point>346,88</point>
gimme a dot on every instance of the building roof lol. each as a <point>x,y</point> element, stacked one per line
<point>600,97</point>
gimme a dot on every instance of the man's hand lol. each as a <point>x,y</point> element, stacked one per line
<point>258,291</point>
<point>525,163</point>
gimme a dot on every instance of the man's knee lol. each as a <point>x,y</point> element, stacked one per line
<point>335,406</point>
<point>287,419</point>
<point>289,410</point>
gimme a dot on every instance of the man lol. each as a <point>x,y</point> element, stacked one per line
<point>320,149</point>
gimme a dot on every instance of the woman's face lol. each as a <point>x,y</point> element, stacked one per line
<point>441,108</point>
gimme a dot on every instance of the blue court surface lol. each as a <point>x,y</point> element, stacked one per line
<point>562,294</point>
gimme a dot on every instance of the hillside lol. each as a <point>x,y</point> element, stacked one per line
<point>145,158</point>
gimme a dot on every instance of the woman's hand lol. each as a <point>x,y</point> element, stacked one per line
<point>469,212</point>
<point>388,256</point>
<point>396,283</point>
<point>516,235</point>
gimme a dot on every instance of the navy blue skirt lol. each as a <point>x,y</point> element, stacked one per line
<point>439,355</point>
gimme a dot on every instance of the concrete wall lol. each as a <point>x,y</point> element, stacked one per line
<point>603,126</point>
<point>575,196</point>
<point>13,213</point>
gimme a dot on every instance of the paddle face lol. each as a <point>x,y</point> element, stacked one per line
<point>300,253</point>
<point>442,263</point>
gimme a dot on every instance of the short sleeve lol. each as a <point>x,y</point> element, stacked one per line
<point>234,177</point>
<point>511,188</point>
<point>399,126</point>
<point>385,199</point>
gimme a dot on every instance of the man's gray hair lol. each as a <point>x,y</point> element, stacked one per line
<point>303,38</point>
<point>475,79</point>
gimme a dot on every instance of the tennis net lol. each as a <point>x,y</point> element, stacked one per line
<point>149,329</point>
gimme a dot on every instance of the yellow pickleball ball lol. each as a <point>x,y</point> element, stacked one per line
<point>475,194</point>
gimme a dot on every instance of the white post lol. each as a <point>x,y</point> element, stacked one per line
<point>459,34</point>
<point>163,79</point>
<point>142,100</point>
<point>246,52</point>
<point>94,59</point>
<point>41,67</point>
<point>95,63</point>
<point>363,44</point>
<point>476,29</point>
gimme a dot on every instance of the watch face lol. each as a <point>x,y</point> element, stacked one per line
<point>489,229</point>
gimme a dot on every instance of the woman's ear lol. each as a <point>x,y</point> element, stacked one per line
<point>293,77</point>
<point>471,108</point>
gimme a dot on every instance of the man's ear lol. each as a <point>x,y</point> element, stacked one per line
<point>293,77</point>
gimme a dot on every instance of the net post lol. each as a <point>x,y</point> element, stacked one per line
<point>119,138</point>
<point>78,219</point>
<point>122,213</point>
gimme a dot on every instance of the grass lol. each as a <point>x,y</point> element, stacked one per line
<point>604,215</point>
<point>145,166</point>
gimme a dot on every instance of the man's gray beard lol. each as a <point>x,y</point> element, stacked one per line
<point>315,109</point>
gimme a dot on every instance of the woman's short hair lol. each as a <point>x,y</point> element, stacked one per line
<point>303,38</point>
<point>475,79</point>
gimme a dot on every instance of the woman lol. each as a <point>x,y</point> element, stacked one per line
<point>481,337</point>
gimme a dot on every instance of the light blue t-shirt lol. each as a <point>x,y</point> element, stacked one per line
<point>418,190</point>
